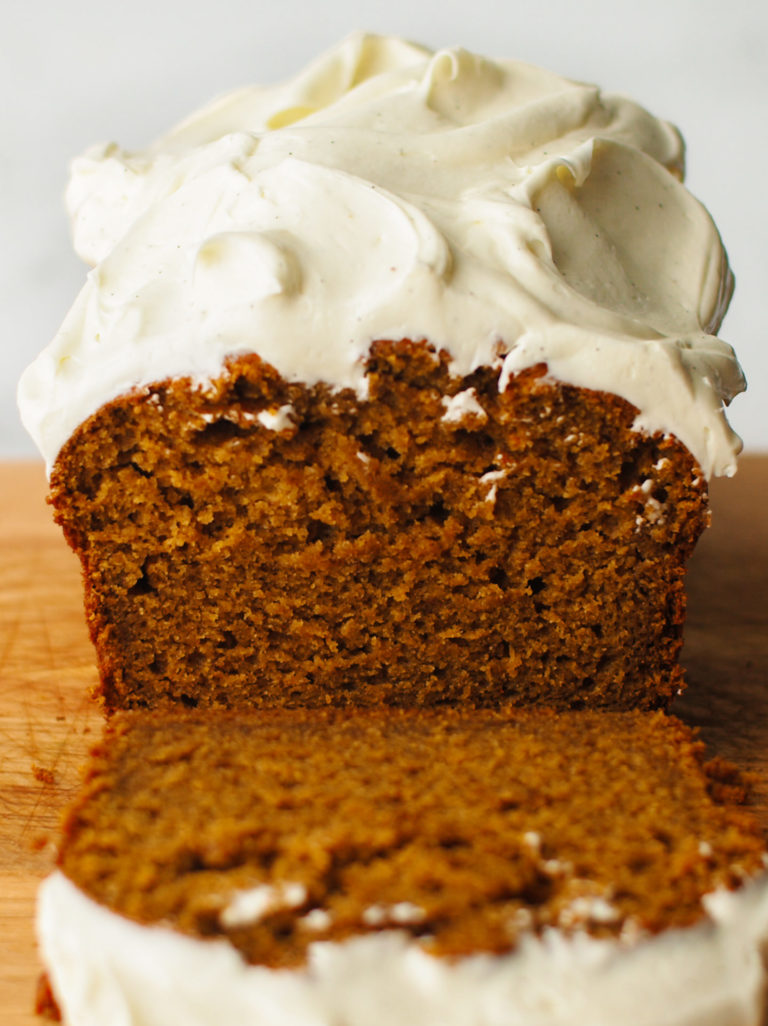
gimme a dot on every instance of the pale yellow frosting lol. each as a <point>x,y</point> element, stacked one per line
<point>503,213</point>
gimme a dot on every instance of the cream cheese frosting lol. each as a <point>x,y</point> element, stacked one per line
<point>107,969</point>
<point>504,214</point>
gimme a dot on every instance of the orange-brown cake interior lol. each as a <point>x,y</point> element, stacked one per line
<point>410,548</point>
<point>464,828</point>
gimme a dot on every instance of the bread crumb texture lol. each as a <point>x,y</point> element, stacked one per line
<point>255,542</point>
<point>463,828</point>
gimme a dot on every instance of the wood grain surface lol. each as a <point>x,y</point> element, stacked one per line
<point>47,720</point>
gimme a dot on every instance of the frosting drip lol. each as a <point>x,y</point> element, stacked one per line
<point>387,192</point>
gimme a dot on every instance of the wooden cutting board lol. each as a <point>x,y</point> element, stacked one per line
<point>47,721</point>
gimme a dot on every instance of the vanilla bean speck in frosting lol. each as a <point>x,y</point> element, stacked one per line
<point>504,214</point>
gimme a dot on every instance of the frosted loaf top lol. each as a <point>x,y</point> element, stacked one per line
<point>504,214</point>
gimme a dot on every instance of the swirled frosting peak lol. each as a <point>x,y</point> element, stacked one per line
<point>499,211</point>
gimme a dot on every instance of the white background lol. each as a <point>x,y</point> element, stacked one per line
<point>84,71</point>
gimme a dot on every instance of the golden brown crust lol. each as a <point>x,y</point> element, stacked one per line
<point>487,824</point>
<point>374,551</point>
<point>46,1005</point>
